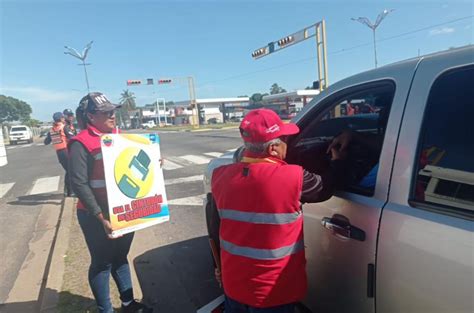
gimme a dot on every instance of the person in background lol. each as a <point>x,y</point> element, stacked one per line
<point>108,255</point>
<point>80,118</point>
<point>69,118</point>
<point>261,223</point>
<point>58,137</point>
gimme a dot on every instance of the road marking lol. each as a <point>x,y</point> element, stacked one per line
<point>44,185</point>
<point>232,150</point>
<point>214,154</point>
<point>169,165</point>
<point>195,200</point>
<point>11,147</point>
<point>175,181</point>
<point>4,188</point>
<point>195,159</point>
<point>27,145</point>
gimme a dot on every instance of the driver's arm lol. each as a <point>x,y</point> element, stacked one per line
<point>320,187</point>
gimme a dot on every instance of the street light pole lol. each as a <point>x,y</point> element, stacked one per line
<point>368,23</point>
<point>81,56</point>
<point>158,117</point>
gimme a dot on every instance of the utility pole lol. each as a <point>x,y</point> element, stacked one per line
<point>192,98</point>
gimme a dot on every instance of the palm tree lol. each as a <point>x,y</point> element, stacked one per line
<point>127,100</point>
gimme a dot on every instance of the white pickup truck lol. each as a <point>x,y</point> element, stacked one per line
<point>149,124</point>
<point>20,133</point>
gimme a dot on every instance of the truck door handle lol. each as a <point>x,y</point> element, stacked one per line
<point>339,225</point>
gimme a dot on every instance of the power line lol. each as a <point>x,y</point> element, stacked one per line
<point>330,53</point>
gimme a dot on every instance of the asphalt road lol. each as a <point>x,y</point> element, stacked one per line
<point>33,178</point>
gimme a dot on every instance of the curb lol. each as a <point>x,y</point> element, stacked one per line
<point>55,271</point>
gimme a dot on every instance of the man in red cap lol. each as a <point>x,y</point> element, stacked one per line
<point>261,224</point>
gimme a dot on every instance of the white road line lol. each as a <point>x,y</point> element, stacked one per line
<point>175,181</point>
<point>4,188</point>
<point>169,165</point>
<point>27,145</point>
<point>11,147</point>
<point>232,150</point>
<point>44,185</point>
<point>214,154</point>
<point>195,159</point>
<point>195,200</point>
<point>178,161</point>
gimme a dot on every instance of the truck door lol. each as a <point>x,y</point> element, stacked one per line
<point>341,233</point>
<point>425,253</point>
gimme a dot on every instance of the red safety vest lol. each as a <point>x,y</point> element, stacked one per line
<point>58,137</point>
<point>261,231</point>
<point>90,139</point>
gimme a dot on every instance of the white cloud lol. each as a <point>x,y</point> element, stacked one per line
<point>43,101</point>
<point>441,31</point>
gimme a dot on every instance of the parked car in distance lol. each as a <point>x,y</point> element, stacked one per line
<point>212,120</point>
<point>149,124</point>
<point>20,133</point>
<point>399,231</point>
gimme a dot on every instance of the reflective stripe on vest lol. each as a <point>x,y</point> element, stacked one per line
<point>97,183</point>
<point>261,231</point>
<point>260,218</point>
<point>262,254</point>
<point>58,137</point>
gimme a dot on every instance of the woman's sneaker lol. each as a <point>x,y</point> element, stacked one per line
<point>136,307</point>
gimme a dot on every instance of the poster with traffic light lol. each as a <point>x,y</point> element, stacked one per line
<point>134,181</point>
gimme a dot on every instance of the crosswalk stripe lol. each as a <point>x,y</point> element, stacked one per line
<point>214,154</point>
<point>44,185</point>
<point>175,181</point>
<point>4,188</point>
<point>195,159</point>
<point>178,160</point>
<point>194,200</point>
<point>169,165</point>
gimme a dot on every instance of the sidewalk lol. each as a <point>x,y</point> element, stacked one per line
<point>171,268</point>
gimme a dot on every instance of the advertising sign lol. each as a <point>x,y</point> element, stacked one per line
<point>134,181</point>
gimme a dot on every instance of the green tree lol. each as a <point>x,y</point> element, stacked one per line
<point>32,122</point>
<point>12,109</point>
<point>127,100</point>
<point>256,98</point>
<point>275,89</point>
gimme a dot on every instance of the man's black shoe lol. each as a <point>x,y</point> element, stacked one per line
<point>136,307</point>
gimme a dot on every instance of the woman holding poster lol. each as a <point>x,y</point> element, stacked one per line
<point>108,255</point>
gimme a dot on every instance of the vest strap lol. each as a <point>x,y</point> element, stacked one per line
<point>262,254</point>
<point>259,218</point>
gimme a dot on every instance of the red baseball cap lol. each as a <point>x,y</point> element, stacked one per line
<point>263,125</point>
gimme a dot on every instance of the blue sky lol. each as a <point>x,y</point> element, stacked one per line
<point>209,40</point>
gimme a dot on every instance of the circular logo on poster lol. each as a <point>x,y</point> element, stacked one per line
<point>133,173</point>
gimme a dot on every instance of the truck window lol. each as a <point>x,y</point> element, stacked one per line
<point>364,113</point>
<point>18,129</point>
<point>445,166</point>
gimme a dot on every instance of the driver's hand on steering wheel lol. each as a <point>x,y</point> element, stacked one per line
<point>341,142</point>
